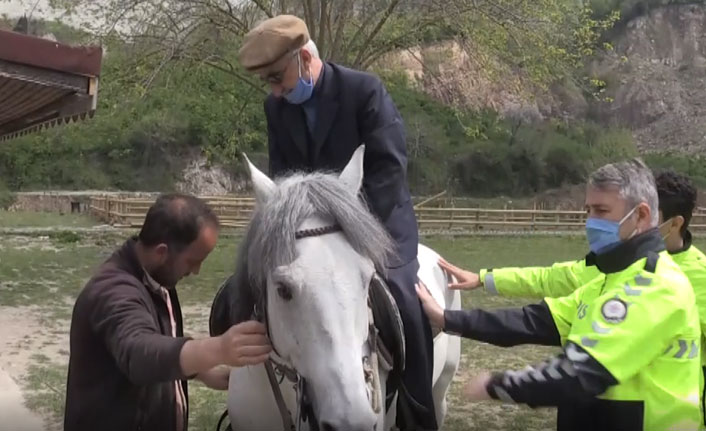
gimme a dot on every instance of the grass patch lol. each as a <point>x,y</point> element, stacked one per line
<point>43,219</point>
<point>46,388</point>
<point>41,271</point>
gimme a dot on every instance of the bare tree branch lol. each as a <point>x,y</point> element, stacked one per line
<point>341,17</point>
<point>322,26</point>
<point>263,8</point>
<point>230,70</point>
<point>376,29</point>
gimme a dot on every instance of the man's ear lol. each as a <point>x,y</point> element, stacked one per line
<point>644,216</point>
<point>305,56</point>
<point>678,222</point>
<point>161,251</point>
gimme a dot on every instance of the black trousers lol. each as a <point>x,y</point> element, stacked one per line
<point>419,357</point>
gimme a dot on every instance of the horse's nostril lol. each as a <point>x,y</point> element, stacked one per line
<point>327,427</point>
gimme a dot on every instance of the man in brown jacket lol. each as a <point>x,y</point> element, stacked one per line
<point>130,361</point>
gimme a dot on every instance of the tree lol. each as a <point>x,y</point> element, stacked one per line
<point>543,37</point>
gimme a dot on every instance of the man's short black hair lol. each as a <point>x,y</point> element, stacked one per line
<point>176,219</point>
<point>677,196</point>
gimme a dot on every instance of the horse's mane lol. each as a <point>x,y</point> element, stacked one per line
<point>270,238</point>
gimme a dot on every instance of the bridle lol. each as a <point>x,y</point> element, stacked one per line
<point>278,369</point>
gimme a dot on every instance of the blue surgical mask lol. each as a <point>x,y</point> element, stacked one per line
<point>303,90</point>
<point>603,235</point>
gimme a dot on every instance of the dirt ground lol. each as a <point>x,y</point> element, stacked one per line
<point>22,337</point>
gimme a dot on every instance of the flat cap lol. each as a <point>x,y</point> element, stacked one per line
<point>270,40</point>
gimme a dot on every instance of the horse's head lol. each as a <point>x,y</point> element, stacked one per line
<point>313,248</point>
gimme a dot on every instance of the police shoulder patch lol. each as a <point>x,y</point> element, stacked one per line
<point>614,310</point>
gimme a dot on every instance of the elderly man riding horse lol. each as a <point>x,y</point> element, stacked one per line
<point>318,113</point>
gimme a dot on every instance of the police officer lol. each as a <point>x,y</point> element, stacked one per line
<point>630,336</point>
<point>677,201</point>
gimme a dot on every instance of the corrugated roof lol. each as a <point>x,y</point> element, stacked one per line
<point>44,83</point>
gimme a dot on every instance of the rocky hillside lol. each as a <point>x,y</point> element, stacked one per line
<point>655,76</point>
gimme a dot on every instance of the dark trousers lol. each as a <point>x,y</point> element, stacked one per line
<point>419,357</point>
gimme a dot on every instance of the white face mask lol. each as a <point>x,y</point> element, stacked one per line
<point>669,220</point>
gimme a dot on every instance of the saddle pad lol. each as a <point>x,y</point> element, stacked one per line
<point>388,320</point>
<point>232,304</point>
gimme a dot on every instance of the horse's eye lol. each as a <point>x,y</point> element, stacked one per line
<point>284,291</point>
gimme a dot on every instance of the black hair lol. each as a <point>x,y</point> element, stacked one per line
<point>677,196</point>
<point>176,219</point>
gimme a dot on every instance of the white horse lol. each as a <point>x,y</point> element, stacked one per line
<point>314,248</point>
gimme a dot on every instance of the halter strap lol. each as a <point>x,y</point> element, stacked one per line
<point>318,231</point>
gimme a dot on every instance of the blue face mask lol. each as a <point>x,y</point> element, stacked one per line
<point>603,235</point>
<point>303,90</point>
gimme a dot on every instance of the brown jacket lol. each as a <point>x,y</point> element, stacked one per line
<point>123,361</point>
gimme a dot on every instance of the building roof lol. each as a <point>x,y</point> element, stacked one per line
<point>44,83</point>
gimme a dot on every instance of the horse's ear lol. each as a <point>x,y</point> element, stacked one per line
<point>352,175</point>
<point>262,184</point>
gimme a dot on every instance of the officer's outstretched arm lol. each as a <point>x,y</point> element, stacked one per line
<point>574,375</point>
<point>610,340</point>
<point>559,279</point>
<point>546,323</point>
<point>531,324</point>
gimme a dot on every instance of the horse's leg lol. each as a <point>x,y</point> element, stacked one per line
<point>251,402</point>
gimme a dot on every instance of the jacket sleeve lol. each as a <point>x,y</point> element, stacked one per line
<point>277,165</point>
<point>554,281</point>
<point>120,317</point>
<point>382,132</point>
<point>531,324</point>
<point>693,263</point>
<point>572,376</point>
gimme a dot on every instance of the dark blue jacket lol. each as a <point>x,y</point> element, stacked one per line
<point>353,108</point>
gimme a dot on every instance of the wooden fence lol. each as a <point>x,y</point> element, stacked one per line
<point>235,212</point>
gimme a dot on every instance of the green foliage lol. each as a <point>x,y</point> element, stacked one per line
<point>7,198</point>
<point>65,237</point>
<point>143,131</point>
<point>141,143</point>
<point>693,166</point>
<point>532,158</point>
<point>630,9</point>
<point>482,154</point>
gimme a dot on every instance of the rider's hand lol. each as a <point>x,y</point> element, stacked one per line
<point>245,344</point>
<point>431,308</point>
<point>467,280</point>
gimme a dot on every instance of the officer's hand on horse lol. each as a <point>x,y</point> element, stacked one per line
<point>467,280</point>
<point>476,390</point>
<point>245,344</point>
<point>431,308</point>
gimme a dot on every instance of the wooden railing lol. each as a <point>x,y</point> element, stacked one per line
<point>235,212</point>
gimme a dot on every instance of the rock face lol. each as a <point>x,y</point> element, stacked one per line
<point>202,179</point>
<point>656,78</point>
<point>447,72</point>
